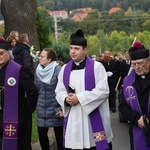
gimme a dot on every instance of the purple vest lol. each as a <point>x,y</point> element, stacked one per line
<point>95,117</point>
<point>131,98</point>
<point>10,111</point>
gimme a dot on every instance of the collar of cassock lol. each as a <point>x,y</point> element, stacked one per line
<point>144,77</point>
<point>3,67</point>
<point>142,82</point>
<point>78,65</point>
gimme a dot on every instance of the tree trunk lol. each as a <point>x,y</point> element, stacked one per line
<point>20,15</point>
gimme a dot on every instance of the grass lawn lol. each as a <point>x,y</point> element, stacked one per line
<point>34,128</point>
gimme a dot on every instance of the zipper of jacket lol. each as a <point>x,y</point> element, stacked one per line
<point>45,105</point>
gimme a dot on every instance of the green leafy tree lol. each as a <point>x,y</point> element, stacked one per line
<point>123,44</point>
<point>106,5</point>
<point>120,41</point>
<point>62,48</point>
<point>120,20</point>
<point>93,14</point>
<point>146,40</point>
<point>134,27</point>
<point>64,38</point>
<point>129,11</point>
<point>63,52</point>
<point>144,37</point>
<point>146,25</point>
<point>93,46</point>
<point>110,25</point>
<point>104,42</point>
<point>69,25</point>
<point>114,36</point>
<point>148,12</point>
<point>91,23</point>
<point>43,23</point>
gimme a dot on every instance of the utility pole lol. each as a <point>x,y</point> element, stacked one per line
<point>56,28</point>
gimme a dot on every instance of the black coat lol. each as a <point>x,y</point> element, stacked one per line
<point>27,100</point>
<point>113,67</point>
<point>22,56</point>
<point>123,70</point>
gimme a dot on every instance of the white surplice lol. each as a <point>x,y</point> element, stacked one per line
<point>79,133</point>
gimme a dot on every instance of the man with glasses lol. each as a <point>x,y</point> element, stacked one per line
<point>135,104</point>
<point>18,98</point>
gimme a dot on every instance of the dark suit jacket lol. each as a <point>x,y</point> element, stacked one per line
<point>112,66</point>
<point>123,70</point>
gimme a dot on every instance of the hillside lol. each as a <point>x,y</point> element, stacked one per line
<point>101,5</point>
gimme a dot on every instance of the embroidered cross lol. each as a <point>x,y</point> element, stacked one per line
<point>10,130</point>
<point>99,136</point>
<point>130,91</point>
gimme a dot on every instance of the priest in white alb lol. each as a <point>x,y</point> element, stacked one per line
<point>83,91</point>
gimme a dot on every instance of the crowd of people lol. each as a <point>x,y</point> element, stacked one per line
<point>116,67</point>
<point>75,99</point>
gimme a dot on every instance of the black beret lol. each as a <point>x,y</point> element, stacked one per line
<point>78,38</point>
<point>139,54</point>
<point>138,51</point>
<point>4,46</point>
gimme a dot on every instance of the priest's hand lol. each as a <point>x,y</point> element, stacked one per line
<point>141,122</point>
<point>72,99</point>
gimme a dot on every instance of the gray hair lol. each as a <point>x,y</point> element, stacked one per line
<point>23,37</point>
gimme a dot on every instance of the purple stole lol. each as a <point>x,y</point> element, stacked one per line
<point>10,112</point>
<point>132,100</point>
<point>95,117</point>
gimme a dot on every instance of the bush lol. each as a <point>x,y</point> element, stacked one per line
<point>63,52</point>
<point>34,128</point>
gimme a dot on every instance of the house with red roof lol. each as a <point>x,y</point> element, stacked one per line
<point>114,9</point>
<point>59,14</point>
<point>81,13</point>
<point>79,16</point>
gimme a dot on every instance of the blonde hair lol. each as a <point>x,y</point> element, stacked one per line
<point>10,39</point>
<point>14,33</point>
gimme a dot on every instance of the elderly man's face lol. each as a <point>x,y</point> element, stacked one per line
<point>141,66</point>
<point>4,57</point>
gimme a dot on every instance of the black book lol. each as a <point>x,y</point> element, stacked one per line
<point>71,89</point>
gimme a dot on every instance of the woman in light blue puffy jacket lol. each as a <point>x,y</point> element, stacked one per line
<point>49,112</point>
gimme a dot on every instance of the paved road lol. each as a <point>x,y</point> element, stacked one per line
<point>120,133</point>
<point>36,146</point>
